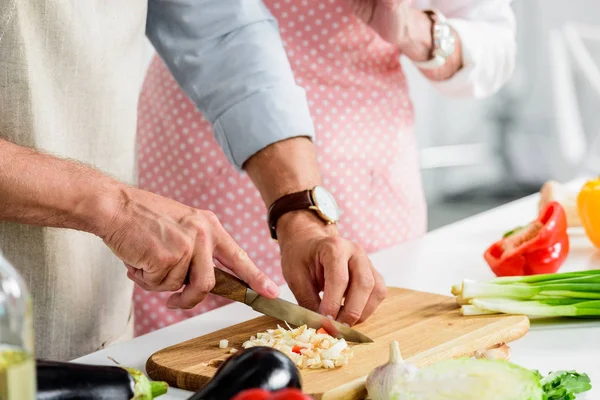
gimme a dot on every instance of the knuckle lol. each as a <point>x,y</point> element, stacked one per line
<point>206,284</point>
<point>211,218</point>
<point>333,305</point>
<point>172,286</point>
<point>152,279</point>
<point>352,314</point>
<point>366,281</point>
<point>188,249</point>
<point>340,275</point>
<point>259,276</point>
<point>357,248</point>
<point>202,235</point>
<point>333,244</point>
<point>167,258</point>
<point>239,256</point>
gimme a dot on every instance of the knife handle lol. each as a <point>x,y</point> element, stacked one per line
<point>228,286</point>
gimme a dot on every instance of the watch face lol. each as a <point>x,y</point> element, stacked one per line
<point>326,204</point>
<point>445,40</point>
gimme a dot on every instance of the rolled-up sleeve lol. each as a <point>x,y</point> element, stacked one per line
<point>228,57</point>
<point>486,29</point>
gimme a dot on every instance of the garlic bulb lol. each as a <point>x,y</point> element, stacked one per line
<point>381,380</point>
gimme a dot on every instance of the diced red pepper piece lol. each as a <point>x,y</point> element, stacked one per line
<point>541,247</point>
<point>322,331</point>
<point>253,394</point>
<point>297,349</point>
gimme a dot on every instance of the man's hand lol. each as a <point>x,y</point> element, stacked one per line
<point>163,243</point>
<point>315,259</point>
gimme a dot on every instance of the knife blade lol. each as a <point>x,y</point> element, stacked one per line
<point>232,288</point>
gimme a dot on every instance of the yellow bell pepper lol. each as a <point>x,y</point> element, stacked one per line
<point>588,205</point>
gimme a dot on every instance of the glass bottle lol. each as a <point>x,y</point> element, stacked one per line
<point>17,362</point>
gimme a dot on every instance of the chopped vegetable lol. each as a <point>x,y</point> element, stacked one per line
<point>570,294</point>
<point>540,247</point>
<point>306,347</point>
<point>322,331</point>
<point>256,368</point>
<point>588,202</point>
<point>554,191</point>
<point>223,344</point>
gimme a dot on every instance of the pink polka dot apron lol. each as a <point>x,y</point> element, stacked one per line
<point>366,148</point>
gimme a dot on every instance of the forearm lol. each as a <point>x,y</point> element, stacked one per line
<point>282,168</point>
<point>43,190</point>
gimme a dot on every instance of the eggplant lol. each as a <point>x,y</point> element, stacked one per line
<point>68,381</point>
<point>256,367</point>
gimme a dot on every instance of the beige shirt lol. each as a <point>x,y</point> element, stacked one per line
<point>70,73</point>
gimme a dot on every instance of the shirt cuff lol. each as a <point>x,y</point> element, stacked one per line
<point>262,119</point>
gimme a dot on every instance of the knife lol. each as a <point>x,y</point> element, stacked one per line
<point>232,288</point>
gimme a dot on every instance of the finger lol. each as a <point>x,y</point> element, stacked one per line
<point>359,290</point>
<point>131,275</point>
<point>305,290</point>
<point>335,258</point>
<point>232,256</point>
<point>201,280</point>
<point>130,268</point>
<point>377,296</point>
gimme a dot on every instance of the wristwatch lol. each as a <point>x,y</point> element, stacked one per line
<point>443,41</point>
<point>317,199</point>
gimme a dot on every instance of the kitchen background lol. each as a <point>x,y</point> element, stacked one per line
<point>545,124</point>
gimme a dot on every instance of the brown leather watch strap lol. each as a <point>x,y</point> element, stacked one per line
<point>290,202</point>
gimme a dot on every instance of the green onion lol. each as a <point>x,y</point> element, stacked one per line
<point>571,294</point>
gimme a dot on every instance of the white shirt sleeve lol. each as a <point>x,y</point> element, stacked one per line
<point>486,29</point>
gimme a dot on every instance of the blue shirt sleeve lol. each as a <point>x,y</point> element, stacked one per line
<point>228,57</point>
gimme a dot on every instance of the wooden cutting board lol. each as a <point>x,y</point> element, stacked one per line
<point>428,327</point>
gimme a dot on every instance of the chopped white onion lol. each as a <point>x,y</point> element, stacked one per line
<point>317,350</point>
<point>223,344</point>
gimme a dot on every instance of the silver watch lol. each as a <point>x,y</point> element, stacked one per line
<point>443,41</point>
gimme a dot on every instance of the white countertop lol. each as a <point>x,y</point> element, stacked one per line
<point>442,258</point>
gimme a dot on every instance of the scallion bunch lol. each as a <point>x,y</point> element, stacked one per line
<point>569,294</point>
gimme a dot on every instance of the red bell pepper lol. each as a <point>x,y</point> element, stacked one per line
<point>322,331</point>
<point>261,394</point>
<point>538,248</point>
